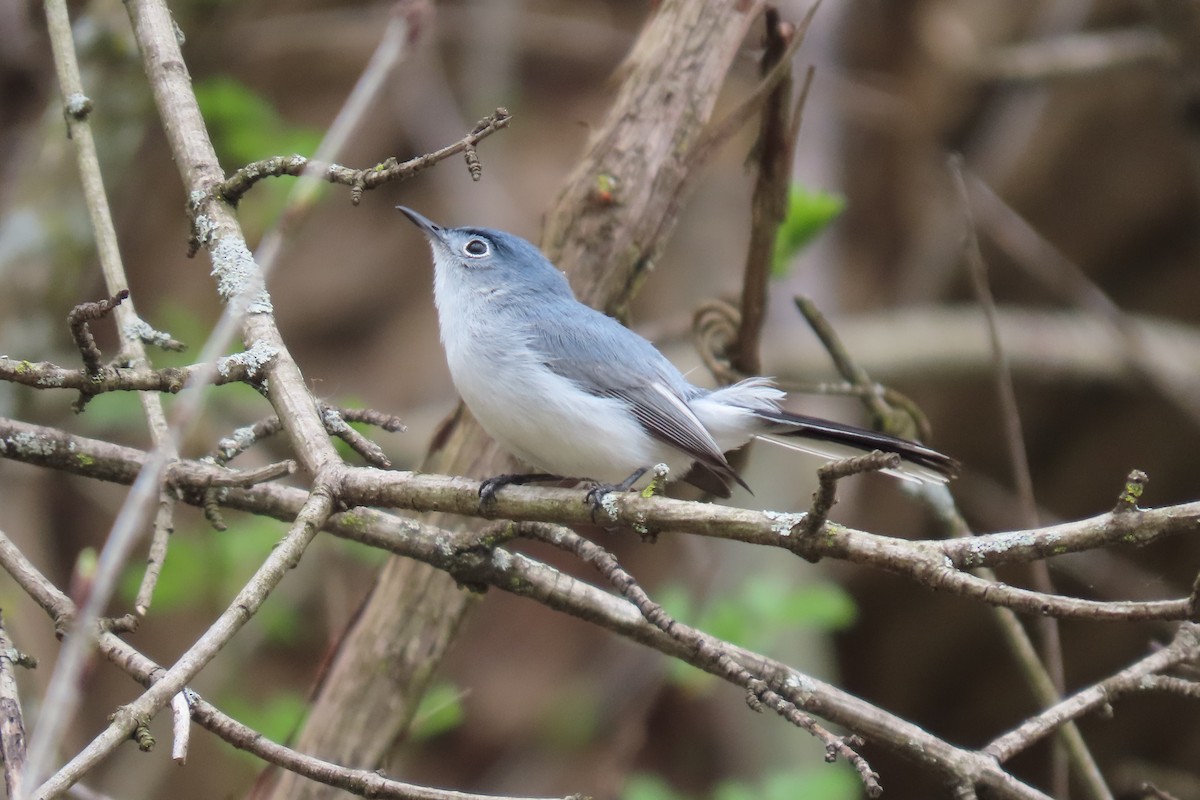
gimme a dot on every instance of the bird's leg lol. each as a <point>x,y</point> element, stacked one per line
<point>489,487</point>
<point>597,493</point>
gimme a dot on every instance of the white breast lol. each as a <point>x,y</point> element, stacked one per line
<point>537,415</point>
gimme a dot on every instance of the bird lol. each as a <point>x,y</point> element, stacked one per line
<point>572,392</point>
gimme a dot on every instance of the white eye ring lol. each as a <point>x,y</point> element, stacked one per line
<point>476,248</point>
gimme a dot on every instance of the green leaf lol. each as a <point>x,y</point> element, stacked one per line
<point>809,212</point>
<point>113,411</point>
<point>826,782</point>
<point>245,126</point>
<point>644,786</point>
<point>754,615</point>
<point>735,790</point>
<point>440,710</point>
<point>573,718</point>
<point>824,606</point>
<point>185,579</point>
<point>276,715</point>
<point>818,782</point>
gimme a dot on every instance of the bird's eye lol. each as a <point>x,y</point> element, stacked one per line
<point>476,248</point>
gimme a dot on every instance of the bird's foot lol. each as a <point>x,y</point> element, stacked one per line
<point>596,495</point>
<point>489,486</point>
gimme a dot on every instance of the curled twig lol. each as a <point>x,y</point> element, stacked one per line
<point>905,421</point>
<point>715,326</point>
<point>78,320</point>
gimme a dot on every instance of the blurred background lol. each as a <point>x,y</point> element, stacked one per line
<point>1078,122</point>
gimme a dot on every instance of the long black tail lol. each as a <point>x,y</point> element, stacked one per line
<point>808,433</point>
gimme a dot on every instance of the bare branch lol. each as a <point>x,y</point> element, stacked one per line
<point>1185,647</point>
<point>828,476</point>
<point>702,652</point>
<point>233,189</point>
<point>936,563</point>
<point>774,152</point>
<point>309,521</point>
<point>367,783</point>
<point>171,380</point>
<point>12,721</point>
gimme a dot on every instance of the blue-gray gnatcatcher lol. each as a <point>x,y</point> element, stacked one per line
<point>573,392</point>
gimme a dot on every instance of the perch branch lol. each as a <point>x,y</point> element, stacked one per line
<point>935,563</point>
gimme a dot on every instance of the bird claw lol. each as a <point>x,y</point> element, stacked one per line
<point>489,486</point>
<point>596,495</point>
<point>488,489</point>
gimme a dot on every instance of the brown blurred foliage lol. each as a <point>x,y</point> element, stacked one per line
<point>1103,163</point>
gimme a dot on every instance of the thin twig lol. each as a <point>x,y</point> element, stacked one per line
<point>78,321</point>
<point>1153,791</point>
<point>774,152</point>
<point>181,719</point>
<point>1043,261</point>
<point>827,477</point>
<point>337,426</point>
<point>233,189</point>
<point>131,329</point>
<point>1021,646</point>
<point>244,438</point>
<point>367,783</point>
<point>164,527</point>
<point>1018,457</point>
<point>721,131</point>
<point>1185,647</point>
<point>906,421</point>
<point>278,563</point>
<point>252,477</point>
<point>702,653</point>
<point>1075,55</point>
<point>142,331</point>
<point>169,380</point>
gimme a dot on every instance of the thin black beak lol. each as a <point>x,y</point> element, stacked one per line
<point>427,226</point>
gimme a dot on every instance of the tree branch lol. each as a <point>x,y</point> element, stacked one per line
<point>935,563</point>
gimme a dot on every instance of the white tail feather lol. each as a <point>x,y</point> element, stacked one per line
<point>907,471</point>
